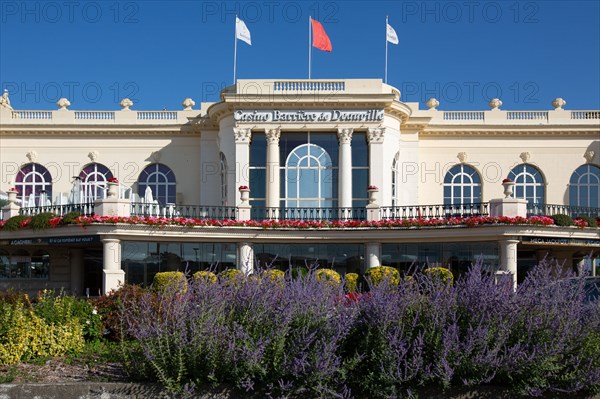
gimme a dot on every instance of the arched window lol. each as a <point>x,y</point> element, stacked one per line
<point>584,187</point>
<point>307,178</point>
<point>462,185</point>
<point>395,179</point>
<point>32,182</point>
<point>223,170</point>
<point>161,180</point>
<point>93,182</point>
<point>529,184</point>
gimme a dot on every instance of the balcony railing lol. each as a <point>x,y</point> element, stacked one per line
<point>551,210</point>
<point>260,213</point>
<point>434,211</point>
<point>59,210</point>
<point>183,211</point>
<point>311,214</point>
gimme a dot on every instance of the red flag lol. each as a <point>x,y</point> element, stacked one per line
<point>320,38</point>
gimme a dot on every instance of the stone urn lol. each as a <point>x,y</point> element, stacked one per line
<point>244,194</point>
<point>11,195</point>
<point>113,189</point>
<point>372,190</point>
<point>509,186</point>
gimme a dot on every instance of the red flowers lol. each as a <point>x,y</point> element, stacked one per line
<point>113,180</point>
<point>507,180</point>
<point>243,188</point>
<point>310,224</point>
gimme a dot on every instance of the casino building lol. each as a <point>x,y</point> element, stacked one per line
<point>272,155</point>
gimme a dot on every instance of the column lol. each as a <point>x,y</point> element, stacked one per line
<point>77,266</point>
<point>245,259</point>
<point>508,258</point>
<point>376,158</point>
<point>373,254</point>
<point>112,274</point>
<point>345,168</point>
<point>273,173</point>
<point>242,137</point>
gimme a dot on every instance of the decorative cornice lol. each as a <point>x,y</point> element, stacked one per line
<point>345,135</point>
<point>242,135</point>
<point>375,135</point>
<point>273,135</point>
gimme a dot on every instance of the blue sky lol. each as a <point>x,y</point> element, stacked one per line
<point>159,52</point>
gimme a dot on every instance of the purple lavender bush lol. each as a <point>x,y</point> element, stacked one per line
<point>304,338</point>
<point>256,334</point>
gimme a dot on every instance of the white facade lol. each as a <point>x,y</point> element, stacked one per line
<point>311,144</point>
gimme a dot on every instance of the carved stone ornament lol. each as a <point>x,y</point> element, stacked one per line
<point>188,103</point>
<point>345,135</point>
<point>432,103</point>
<point>375,135</point>
<point>155,157</point>
<point>462,157</point>
<point>589,155</point>
<point>242,134</point>
<point>93,156</point>
<point>273,135</point>
<point>495,103</point>
<point>32,156</point>
<point>126,103</point>
<point>558,103</point>
<point>5,101</point>
<point>525,156</point>
<point>63,103</point>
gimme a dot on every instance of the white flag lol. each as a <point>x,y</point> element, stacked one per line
<point>391,35</point>
<point>241,31</point>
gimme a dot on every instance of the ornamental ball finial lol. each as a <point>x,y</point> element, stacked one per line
<point>126,103</point>
<point>63,103</point>
<point>188,103</point>
<point>433,103</point>
<point>558,103</point>
<point>495,103</point>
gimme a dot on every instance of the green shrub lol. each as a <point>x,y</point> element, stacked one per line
<point>3,203</point>
<point>273,275</point>
<point>378,274</point>
<point>440,274</point>
<point>591,222</point>
<point>562,220</point>
<point>205,276</point>
<point>169,282</point>
<point>329,276</point>
<point>69,218</point>
<point>59,309</point>
<point>41,221</point>
<point>16,222</point>
<point>299,272</point>
<point>26,335</point>
<point>351,282</point>
<point>231,277</point>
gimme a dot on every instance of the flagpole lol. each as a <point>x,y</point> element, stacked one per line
<point>309,44</point>
<point>234,48</point>
<point>386,50</point>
